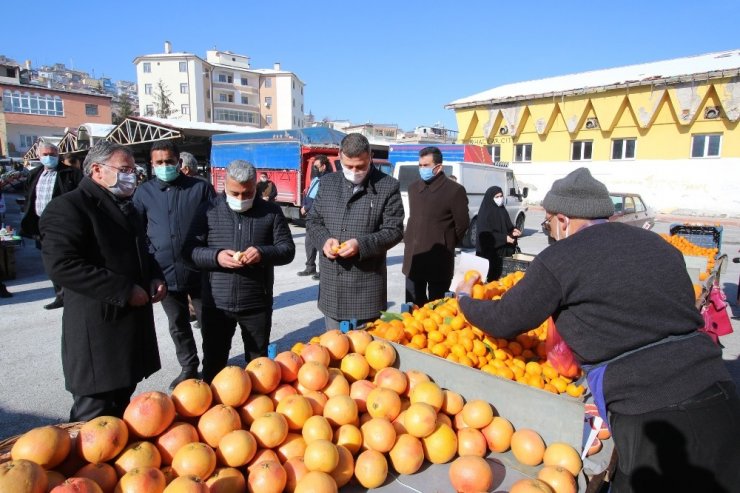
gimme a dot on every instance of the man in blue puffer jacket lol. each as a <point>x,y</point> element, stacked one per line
<point>168,204</point>
<point>238,238</point>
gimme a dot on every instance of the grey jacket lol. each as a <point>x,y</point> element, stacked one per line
<point>356,287</point>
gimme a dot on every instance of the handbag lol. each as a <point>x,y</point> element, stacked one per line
<point>716,316</point>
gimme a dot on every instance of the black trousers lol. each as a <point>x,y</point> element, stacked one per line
<point>218,327</point>
<point>111,403</point>
<point>416,291</point>
<point>691,446</point>
<point>175,305</point>
<point>311,253</point>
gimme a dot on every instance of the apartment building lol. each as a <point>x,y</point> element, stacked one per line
<point>30,111</point>
<point>222,88</point>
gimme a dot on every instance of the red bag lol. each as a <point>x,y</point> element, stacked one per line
<point>716,317</point>
<point>559,353</point>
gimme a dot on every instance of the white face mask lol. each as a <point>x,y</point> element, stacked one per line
<point>355,177</point>
<point>237,205</point>
<point>124,186</point>
<point>499,201</point>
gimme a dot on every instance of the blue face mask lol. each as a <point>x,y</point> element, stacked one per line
<point>426,173</point>
<point>166,172</point>
<point>50,161</point>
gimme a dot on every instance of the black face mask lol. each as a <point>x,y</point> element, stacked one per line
<point>315,173</point>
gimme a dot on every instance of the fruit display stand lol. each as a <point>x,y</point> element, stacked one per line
<point>557,418</point>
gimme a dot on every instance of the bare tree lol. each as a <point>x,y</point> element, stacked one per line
<point>162,101</point>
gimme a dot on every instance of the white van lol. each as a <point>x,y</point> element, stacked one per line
<point>476,178</point>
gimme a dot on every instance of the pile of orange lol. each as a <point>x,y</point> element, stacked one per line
<point>688,248</point>
<point>333,411</point>
<point>440,328</point>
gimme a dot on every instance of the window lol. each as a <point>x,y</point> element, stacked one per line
<point>208,113</point>
<point>147,88</point>
<point>150,109</point>
<point>34,104</point>
<point>147,67</point>
<point>623,149</point>
<point>639,206</point>
<point>245,100</point>
<point>268,82</point>
<point>581,150</point>
<point>28,140</point>
<point>183,66</point>
<point>268,101</point>
<point>293,102</point>
<point>301,108</point>
<point>229,79</point>
<point>268,119</point>
<point>245,81</point>
<point>183,88</point>
<point>222,77</point>
<point>496,153</point>
<point>706,145</point>
<point>91,109</point>
<point>293,81</point>
<point>226,98</point>
<point>185,109</point>
<point>629,205</point>
<point>523,153</point>
<point>236,116</point>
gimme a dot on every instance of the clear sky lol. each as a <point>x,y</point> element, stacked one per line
<point>380,61</point>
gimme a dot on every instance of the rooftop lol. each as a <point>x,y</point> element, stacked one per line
<point>686,69</point>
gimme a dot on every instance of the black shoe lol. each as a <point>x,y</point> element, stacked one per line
<point>4,293</point>
<point>185,374</point>
<point>315,277</point>
<point>57,303</point>
<point>307,272</point>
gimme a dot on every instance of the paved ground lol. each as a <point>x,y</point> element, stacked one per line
<point>32,391</point>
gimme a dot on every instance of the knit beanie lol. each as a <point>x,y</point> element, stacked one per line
<point>579,195</point>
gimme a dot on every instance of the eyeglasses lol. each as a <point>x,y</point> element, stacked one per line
<point>546,224</point>
<point>125,170</point>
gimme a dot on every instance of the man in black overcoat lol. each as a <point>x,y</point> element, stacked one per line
<point>94,246</point>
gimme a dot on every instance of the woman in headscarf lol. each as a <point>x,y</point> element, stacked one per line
<point>496,233</point>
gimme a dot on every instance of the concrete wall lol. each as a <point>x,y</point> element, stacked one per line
<point>704,187</point>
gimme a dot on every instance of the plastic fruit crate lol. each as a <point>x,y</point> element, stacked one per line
<point>700,235</point>
<point>517,262</point>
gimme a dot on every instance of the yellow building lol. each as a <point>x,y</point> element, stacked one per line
<point>633,125</point>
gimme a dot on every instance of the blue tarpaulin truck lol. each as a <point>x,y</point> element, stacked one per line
<point>285,155</point>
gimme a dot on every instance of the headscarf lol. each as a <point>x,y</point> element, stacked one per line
<point>494,223</point>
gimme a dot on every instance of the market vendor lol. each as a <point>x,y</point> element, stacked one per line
<point>622,300</point>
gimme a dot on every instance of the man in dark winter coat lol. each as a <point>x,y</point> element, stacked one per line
<point>94,246</point>
<point>438,220</point>
<point>356,218</point>
<point>623,302</point>
<point>238,238</point>
<point>44,183</point>
<point>266,188</point>
<point>168,204</point>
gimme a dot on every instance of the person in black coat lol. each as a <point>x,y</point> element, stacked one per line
<point>266,188</point>
<point>496,233</point>
<point>44,183</point>
<point>94,246</point>
<point>168,202</point>
<point>238,238</point>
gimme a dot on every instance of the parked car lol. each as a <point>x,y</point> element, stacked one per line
<point>629,208</point>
